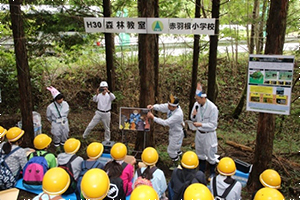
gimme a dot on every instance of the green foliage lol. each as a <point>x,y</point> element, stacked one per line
<point>8,80</point>
<point>293,17</point>
<point>236,12</point>
<point>163,154</point>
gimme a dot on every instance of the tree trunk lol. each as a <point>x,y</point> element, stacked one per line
<point>110,50</point>
<point>247,26</point>
<point>253,26</point>
<point>213,51</point>
<point>260,43</point>
<point>276,26</point>
<point>148,68</point>
<point>195,59</point>
<point>23,71</point>
<point>238,110</point>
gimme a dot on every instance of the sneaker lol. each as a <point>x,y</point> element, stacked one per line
<point>179,153</point>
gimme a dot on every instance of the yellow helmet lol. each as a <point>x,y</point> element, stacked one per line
<point>72,145</point>
<point>189,160</point>
<point>14,133</point>
<point>197,191</point>
<point>226,166</point>
<point>2,132</point>
<point>56,181</point>
<point>95,184</point>
<point>41,141</point>
<point>268,194</point>
<point>94,150</point>
<point>118,151</point>
<point>270,178</point>
<point>150,156</point>
<point>144,192</point>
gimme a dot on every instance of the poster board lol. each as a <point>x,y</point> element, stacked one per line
<point>134,119</point>
<point>269,83</point>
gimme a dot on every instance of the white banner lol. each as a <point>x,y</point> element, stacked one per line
<point>180,26</point>
<point>150,25</point>
<point>157,25</point>
<point>203,26</point>
<point>93,25</point>
<point>136,25</point>
<point>115,25</point>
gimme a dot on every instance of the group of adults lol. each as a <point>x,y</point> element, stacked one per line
<point>58,110</point>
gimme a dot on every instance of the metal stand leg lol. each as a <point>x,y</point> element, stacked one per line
<point>144,140</point>
<point>122,136</point>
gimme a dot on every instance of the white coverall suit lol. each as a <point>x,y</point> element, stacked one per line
<point>174,122</point>
<point>206,141</point>
<point>58,117</point>
<point>102,114</point>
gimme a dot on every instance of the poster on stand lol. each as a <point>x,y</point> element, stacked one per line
<point>134,119</point>
<point>269,83</point>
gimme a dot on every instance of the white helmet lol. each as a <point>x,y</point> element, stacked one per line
<point>103,84</point>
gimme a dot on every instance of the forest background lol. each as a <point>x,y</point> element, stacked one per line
<point>61,54</point>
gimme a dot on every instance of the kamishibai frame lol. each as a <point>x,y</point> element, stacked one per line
<point>134,119</point>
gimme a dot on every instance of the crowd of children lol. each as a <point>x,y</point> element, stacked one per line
<point>117,179</point>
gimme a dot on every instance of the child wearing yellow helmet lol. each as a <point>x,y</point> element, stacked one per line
<point>269,178</point>
<point>118,152</point>
<point>94,151</point>
<point>3,132</point>
<point>151,172</point>
<point>17,158</point>
<point>41,143</point>
<point>184,176</point>
<point>95,184</point>
<point>223,185</point>
<point>71,162</point>
<point>55,182</point>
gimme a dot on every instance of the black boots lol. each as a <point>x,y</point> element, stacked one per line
<point>212,169</point>
<point>202,165</point>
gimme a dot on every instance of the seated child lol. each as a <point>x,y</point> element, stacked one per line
<point>55,182</point>
<point>41,144</point>
<point>223,185</point>
<point>198,191</point>
<point>3,132</point>
<point>94,151</point>
<point>151,172</point>
<point>94,184</point>
<point>71,161</point>
<point>186,173</point>
<point>38,163</point>
<point>16,156</point>
<point>114,171</point>
<point>118,152</point>
<point>144,192</point>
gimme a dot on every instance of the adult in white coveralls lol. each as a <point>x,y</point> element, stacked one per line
<point>205,117</point>
<point>104,99</point>
<point>174,121</point>
<point>57,115</point>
